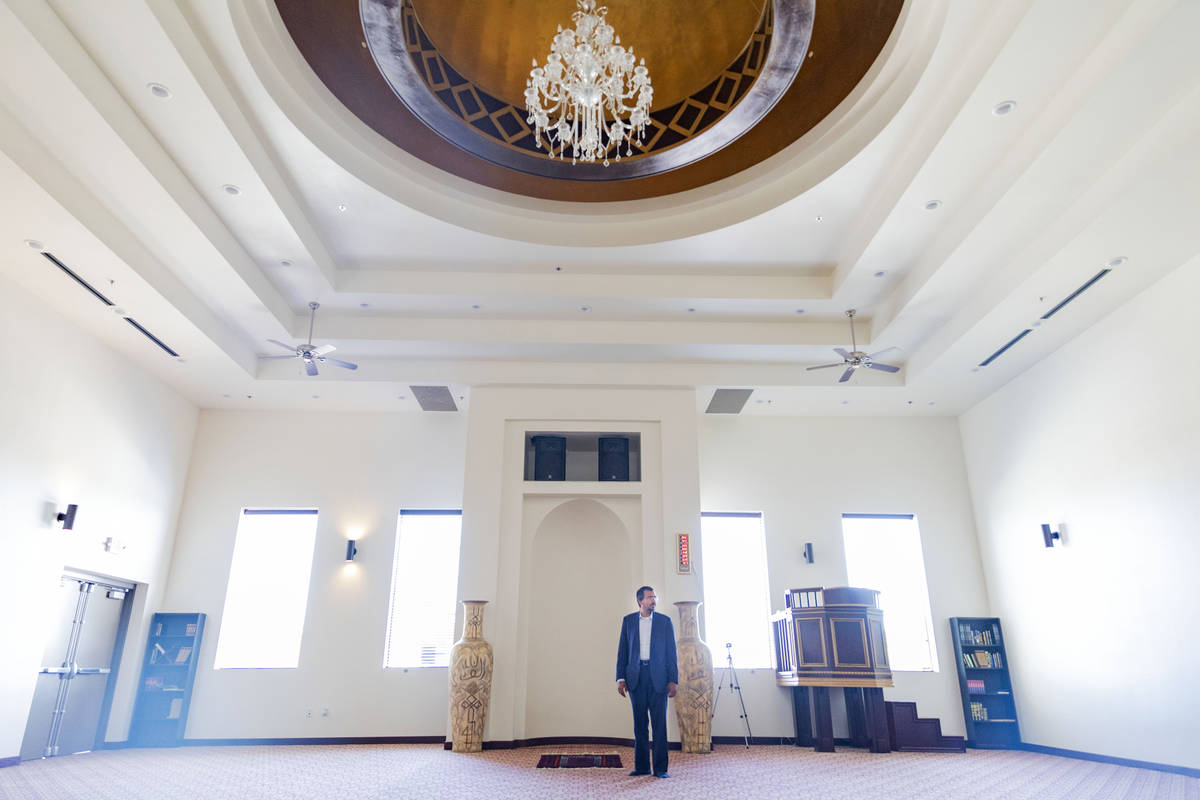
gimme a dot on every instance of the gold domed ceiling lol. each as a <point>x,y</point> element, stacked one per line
<point>735,81</point>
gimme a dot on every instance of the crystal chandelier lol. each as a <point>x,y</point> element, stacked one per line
<point>587,88</point>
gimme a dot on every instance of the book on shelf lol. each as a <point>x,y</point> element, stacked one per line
<point>975,686</point>
<point>176,708</point>
<point>983,659</point>
<point>978,711</point>
<point>191,629</point>
<point>158,629</point>
<point>158,655</point>
<point>153,682</point>
<point>182,656</point>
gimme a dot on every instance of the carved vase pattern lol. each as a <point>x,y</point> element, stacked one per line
<point>694,695</point>
<point>470,681</point>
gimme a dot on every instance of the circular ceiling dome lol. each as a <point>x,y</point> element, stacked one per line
<point>735,83</point>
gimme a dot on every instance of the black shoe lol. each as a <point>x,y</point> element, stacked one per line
<point>661,775</point>
<point>637,772</point>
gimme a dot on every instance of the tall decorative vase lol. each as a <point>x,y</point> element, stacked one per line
<point>470,681</point>
<point>694,695</point>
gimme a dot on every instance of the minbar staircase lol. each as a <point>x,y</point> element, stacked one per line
<point>913,734</point>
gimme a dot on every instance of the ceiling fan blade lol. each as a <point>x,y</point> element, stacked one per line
<point>323,349</point>
<point>846,375</point>
<point>281,344</point>
<point>842,352</point>
<point>881,352</point>
<point>826,366</point>
<point>310,367</point>
<point>340,363</point>
<point>882,367</point>
<point>293,355</point>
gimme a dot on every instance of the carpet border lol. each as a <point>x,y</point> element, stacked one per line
<point>1191,772</point>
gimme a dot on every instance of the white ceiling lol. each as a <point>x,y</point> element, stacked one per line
<point>425,278</point>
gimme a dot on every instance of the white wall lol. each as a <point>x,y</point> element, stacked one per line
<point>1103,438</point>
<point>81,425</point>
<point>358,470</point>
<point>803,473</point>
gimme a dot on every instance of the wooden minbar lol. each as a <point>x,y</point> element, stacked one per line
<point>834,637</point>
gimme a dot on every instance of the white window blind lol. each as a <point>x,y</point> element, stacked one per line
<point>420,627</point>
<point>883,552</point>
<point>737,603</point>
<point>267,596</point>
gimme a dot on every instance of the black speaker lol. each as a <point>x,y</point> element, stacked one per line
<point>549,458</point>
<point>614,458</point>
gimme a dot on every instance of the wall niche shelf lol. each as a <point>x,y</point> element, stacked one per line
<point>590,457</point>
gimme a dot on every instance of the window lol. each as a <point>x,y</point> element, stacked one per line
<point>883,552</point>
<point>267,595</point>
<point>737,603</point>
<point>420,627</point>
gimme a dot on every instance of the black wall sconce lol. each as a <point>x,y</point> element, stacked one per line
<point>67,518</point>
<point>808,553</point>
<point>1049,536</point>
<point>351,550</point>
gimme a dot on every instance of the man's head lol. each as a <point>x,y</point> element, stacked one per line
<point>646,600</point>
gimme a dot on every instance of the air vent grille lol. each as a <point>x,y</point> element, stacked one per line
<point>728,401</point>
<point>434,398</point>
<point>1062,303</point>
<point>96,294</point>
<point>77,279</point>
<point>151,336</point>
<point>1011,342</point>
<point>1076,293</point>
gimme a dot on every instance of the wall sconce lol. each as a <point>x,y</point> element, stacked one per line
<point>351,550</point>
<point>808,553</point>
<point>1049,536</point>
<point>67,518</point>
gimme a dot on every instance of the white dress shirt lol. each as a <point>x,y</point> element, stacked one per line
<point>645,624</point>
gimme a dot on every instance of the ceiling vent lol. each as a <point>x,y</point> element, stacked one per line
<point>96,294</point>
<point>151,336</point>
<point>77,279</point>
<point>1062,303</point>
<point>1010,343</point>
<point>1076,293</point>
<point>434,398</point>
<point>728,401</point>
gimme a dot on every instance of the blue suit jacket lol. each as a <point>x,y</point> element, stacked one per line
<point>664,668</point>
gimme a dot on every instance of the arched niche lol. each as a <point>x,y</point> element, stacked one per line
<point>576,588</point>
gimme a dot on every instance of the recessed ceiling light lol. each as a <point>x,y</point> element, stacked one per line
<point>159,91</point>
<point>1005,107</point>
<point>975,369</point>
<point>181,360</point>
<point>585,308</point>
<point>1037,323</point>
<point>342,206</point>
<point>1115,262</point>
<point>691,311</point>
<point>231,190</point>
<point>401,397</point>
<point>364,305</point>
<point>760,402</point>
<point>558,269</point>
<point>932,403</point>
<point>34,243</point>
<point>818,218</point>
<point>799,310</point>
<point>316,397</point>
<point>227,396</point>
<point>120,312</point>
<point>933,205</point>
<point>476,307</point>
<point>285,262</point>
<point>881,273</point>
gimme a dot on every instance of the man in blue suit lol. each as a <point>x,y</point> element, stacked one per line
<point>648,671</point>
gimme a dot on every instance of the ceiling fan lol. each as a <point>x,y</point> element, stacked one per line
<point>310,355</point>
<point>854,359</point>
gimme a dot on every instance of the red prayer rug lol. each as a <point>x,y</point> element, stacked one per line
<point>569,760</point>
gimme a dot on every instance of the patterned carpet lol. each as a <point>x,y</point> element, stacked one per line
<point>367,772</point>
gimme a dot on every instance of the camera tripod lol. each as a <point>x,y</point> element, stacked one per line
<point>734,686</point>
